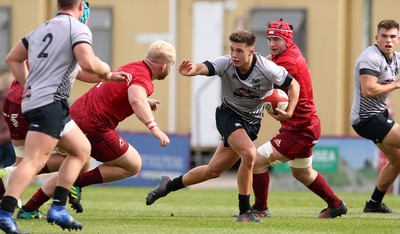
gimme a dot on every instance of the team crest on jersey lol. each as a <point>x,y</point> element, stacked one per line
<point>277,142</point>
<point>121,143</point>
<point>245,93</point>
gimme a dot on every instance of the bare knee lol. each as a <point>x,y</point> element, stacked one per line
<point>134,169</point>
<point>300,174</point>
<point>86,149</point>
<point>248,160</point>
<point>304,175</point>
<point>132,165</point>
<point>260,165</point>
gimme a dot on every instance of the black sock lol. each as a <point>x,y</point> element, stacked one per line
<point>8,203</point>
<point>60,196</point>
<point>244,203</point>
<point>175,184</point>
<point>377,196</point>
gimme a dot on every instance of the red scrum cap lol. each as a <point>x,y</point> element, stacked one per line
<point>282,29</point>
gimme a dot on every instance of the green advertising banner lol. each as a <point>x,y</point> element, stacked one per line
<point>325,160</point>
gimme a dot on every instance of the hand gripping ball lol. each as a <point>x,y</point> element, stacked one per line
<point>276,98</point>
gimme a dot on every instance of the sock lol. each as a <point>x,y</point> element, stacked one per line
<point>320,187</point>
<point>377,196</point>
<point>60,196</point>
<point>260,188</point>
<point>89,177</point>
<point>44,170</point>
<point>175,184</point>
<point>2,189</point>
<point>244,203</point>
<point>8,203</point>
<point>36,201</point>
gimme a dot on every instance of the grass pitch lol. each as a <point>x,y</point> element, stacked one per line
<point>123,210</point>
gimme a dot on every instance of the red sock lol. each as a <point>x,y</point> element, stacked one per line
<point>260,188</point>
<point>36,201</point>
<point>44,170</point>
<point>2,189</point>
<point>320,187</point>
<point>89,177</point>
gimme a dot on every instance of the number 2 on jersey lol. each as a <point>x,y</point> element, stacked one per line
<point>43,53</point>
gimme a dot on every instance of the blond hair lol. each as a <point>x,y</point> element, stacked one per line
<point>161,52</point>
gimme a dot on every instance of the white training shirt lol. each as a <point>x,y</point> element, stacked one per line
<point>244,93</point>
<point>52,63</point>
<point>374,63</point>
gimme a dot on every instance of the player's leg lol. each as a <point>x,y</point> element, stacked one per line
<point>266,157</point>
<point>303,171</point>
<point>241,143</point>
<point>19,149</point>
<point>76,144</point>
<point>298,146</point>
<point>78,147</point>
<point>18,127</point>
<point>31,209</point>
<point>385,133</point>
<point>223,159</point>
<point>391,170</point>
<point>119,160</point>
<point>125,166</point>
<point>53,163</point>
<point>37,149</point>
<point>386,178</point>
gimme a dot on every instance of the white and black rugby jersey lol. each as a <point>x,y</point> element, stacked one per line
<point>373,62</point>
<point>244,93</point>
<point>52,63</point>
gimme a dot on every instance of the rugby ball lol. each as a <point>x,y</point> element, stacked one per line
<point>276,98</point>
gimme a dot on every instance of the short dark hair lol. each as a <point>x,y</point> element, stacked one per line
<point>388,24</point>
<point>67,4</point>
<point>243,36</point>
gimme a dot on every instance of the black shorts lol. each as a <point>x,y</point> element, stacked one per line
<point>228,121</point>
<point>49,119</point>
<point>376,127</point>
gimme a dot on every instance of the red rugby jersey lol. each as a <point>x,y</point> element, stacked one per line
<point>14,94</point>
<point>106,104</point>
<point>304,115</point>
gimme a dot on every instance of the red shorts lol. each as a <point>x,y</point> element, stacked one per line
<point>15,120</point>
<point>296,144</point>
<point>107,146</point>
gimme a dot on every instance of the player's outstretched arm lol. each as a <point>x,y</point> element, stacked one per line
<point>112,76</point>
<point>89,62</point>
<point>186,68</point>
<point>138,99</point>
